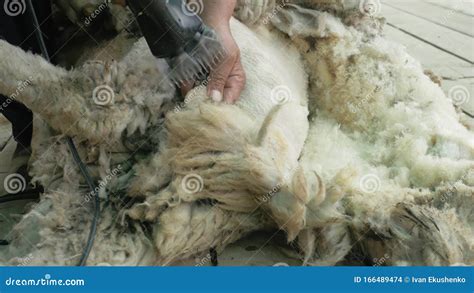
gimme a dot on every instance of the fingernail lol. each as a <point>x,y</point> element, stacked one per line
<point>216,96</point>
<point>229,99</point>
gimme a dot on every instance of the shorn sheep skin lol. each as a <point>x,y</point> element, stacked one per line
<point>339,139</point>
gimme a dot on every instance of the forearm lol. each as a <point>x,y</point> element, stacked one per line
<point>217,13</point>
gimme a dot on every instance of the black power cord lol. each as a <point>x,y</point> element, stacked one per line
<point>75,154</point>
<point>214,259</point>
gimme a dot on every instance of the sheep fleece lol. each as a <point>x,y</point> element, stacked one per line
<point>339,139</point>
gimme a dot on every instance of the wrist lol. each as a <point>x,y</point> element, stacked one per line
<point>221,28</point>
<point>217,13</point>
<point>217,23</point>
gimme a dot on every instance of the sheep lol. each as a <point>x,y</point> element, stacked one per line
<point>378,116</point>
<point>339,139</point>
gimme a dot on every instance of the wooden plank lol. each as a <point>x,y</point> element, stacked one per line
<point>455,72</point>
<point>252,250</point>
<point>445,17</point>
<point>462,6</point>
<point>7,148</point>
<point>440,62</point>
<point>438,36</point>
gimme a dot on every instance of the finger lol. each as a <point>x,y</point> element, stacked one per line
<point>218,78</point>
<point>235,83</point>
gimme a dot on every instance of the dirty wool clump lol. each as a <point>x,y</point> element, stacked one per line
<point>339,139</point>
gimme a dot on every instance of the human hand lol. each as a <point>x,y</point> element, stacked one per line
<point>227,78</point>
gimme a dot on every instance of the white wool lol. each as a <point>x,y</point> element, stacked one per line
<point>368,159</point>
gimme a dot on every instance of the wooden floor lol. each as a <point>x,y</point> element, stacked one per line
<point>439,33</point>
